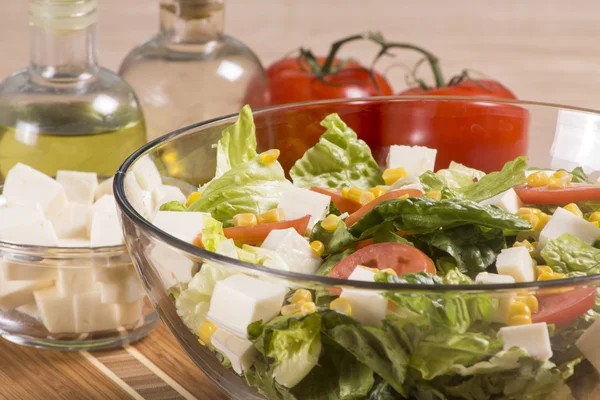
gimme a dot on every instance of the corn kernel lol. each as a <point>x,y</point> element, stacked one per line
<point>596,223</point>
<point>537,179</point>
<point>573,209</point>
<point>540,269</point>
<point>525,243</point>
<point>531,301</point>
<point>342,306</point>
<point>192,198</point>
<point>354,194</point>
<point>533,219</point>
<point>378,191</point>
<point>330,222</point>
<point>207,329</point>
<point>269,156</point>
<point>391,175</point>
<point>308,307</point>
<point>301,295</point>
<point>435,194</point>
<point>518,308</point>
<point>345,191</point>
<point>545,276</point>
<point>389,271</point>
<point>245,219</point>
<point>560,180</point>
<point>529,210</point>
<point>561,174</point>
<point>318,247</point>
<point>366,197</point>
<point>544,218</point>
<point>274,215</point>
<point>594,217</point>
<point>519,320</point>
<point>559,275</point>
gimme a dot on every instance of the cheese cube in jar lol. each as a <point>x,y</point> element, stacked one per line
<point>104,188</point>
<point>106,230</point>
<point>56,310</point>
<point>80,187</point>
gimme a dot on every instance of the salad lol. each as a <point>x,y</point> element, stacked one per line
<point>340,215</point>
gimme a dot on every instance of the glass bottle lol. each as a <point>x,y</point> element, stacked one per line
<point>191,71</point>
<point>64,111</point>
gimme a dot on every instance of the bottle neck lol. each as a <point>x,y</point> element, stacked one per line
<point>63,40</point>
<point>191,21</point>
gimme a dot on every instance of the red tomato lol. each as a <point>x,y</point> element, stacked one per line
<point>258,233</point>
<point>571,194</point>
<point>479,134</point>
<point>402,258</point>
<point>388,196</point>
<point>560,309</point>
<point>343,204</point>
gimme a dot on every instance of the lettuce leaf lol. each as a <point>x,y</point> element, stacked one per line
<point>339,159</point>
<point>511,175</point>
<point>567,253</point>
<point>334,241</point>
<point>212,234</point>
<point>237,144</point>
<point>459,176</point>
<point>173,206</point>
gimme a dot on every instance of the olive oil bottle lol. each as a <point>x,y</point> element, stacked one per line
<point>64,111</point>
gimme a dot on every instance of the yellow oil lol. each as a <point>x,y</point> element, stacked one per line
<point>70,140</point>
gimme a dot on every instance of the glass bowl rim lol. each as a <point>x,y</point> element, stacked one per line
<point>198,252</point>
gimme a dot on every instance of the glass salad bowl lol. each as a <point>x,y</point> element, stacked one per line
<point>499,319</point>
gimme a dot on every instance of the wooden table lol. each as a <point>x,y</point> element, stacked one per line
<point>155,369</point>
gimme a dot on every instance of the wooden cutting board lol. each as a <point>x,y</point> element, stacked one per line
<point>155,368</point>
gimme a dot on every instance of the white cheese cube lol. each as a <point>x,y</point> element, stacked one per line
<point>297,203</point>
<point>15,216</point>
<point>91,314</point>
<point>239,300</point>
<point>408,182</point>
<point>368,307</point>
<point>241,352</point>
<point>73,280</point>
<point>72,221</point>
<point>140,199</point>
<point>56,310</point>
<point>563,221</point>
<point>517,263</point>
<point>106,230</point>
<point>533,338</point>
<point>298,254</point>
<point>493,279</point>
<point>166,193</point>
<point>362,273</point>
<point>3,201</point>
<point>183,225</point>
<point>126,291</point>
<point>30,309</point>
<point>21,270</point>
<point>16,293</point>
<point>73,243</point>
<point>112,274</point>
<point>106,204</point>
<point>171,265</point>
<point>414,159</point>
<point>129,313</point>
<point>104,188</point>
<point>27,187</point>
<point>146,173</point>
<point>588,344</point>
<point>80,187</point>
<point>508,201</point>
<point>38,234</point>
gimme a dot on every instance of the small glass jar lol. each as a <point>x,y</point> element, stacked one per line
<point>191,70</point>
<point>64,111</point>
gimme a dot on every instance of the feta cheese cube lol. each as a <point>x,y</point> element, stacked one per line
<point>15,216</point>
<point>17,268</point>
<point>563,221</point>
<point>104,188</point>
<point>166,193</point>
<point>362,273</point>
<point>80,187</point>
<point>91,315</point>
<point>39,233</point>
<point>533,338</point>
<point>368,307</point>
<point>73,280</point>
<point>72,221</point>
<point>146,173</point>
<point>56,310</point>
<point>239,300</point>
<point>408,182</point>
<point>517,263</point>
<point>17,293</point>
<point>126,291</point>
<point>414,159</point>
<point>106,204</point>
<point>171,265</point>
<point>106,230</point>
<point>241,352</point>
<point>297,202</point>
<point>3,201</point>
<point>112,274</point>
<point>129,313</point>
<point>183,225</point>
<point>73,243</point>
<point>30,309</point>
<point>298,254</point>
<point>27,187</point>
<point>588,344</point>
<point>493,279</point>
<point>140,199</point>
<point>508,201</point>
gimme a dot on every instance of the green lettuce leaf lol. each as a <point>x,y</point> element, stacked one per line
<point>238,143</point>
<point>567,253</point>
<point>173,206</point>
<point>212,233</point>
<point>511,175</point>
<point>332,261</point>
<point>431,181</point>
<point>459,176</point>
<point>340,159</point>
<point>334,241</point>
<point>425,215</point>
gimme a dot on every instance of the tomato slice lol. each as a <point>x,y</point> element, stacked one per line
<point>402,258</point>
<point>571,194</point>
<point>560,309</point>
<point>388,196</point>
<point>258,233</point>
<point>343,204</point>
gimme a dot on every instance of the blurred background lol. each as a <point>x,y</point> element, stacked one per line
<point>542,50</point>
